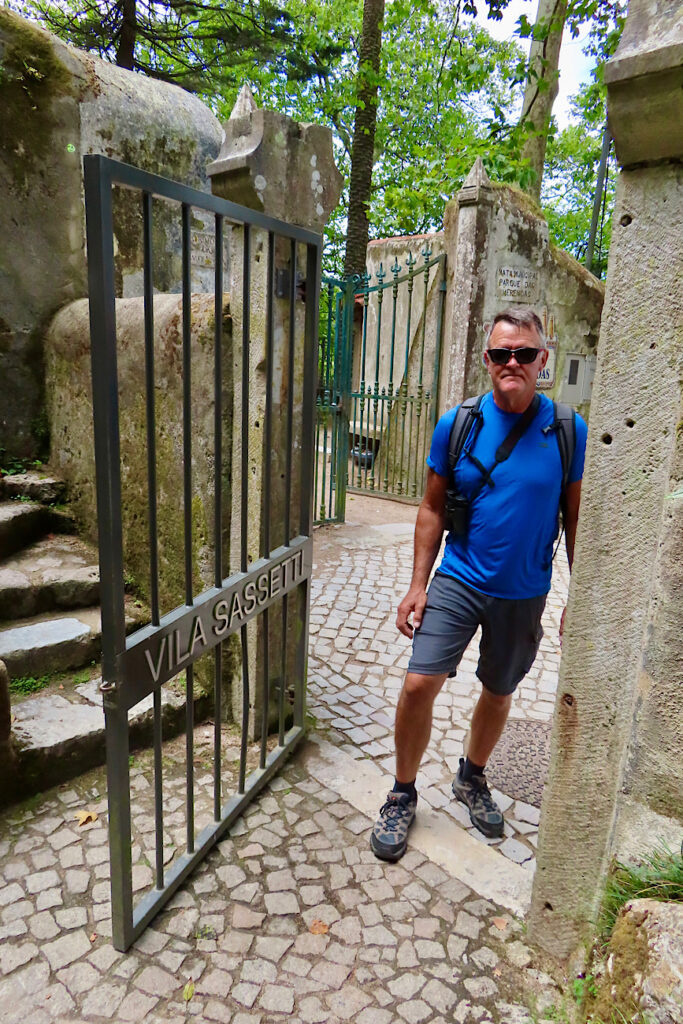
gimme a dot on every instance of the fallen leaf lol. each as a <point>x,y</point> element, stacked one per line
<point>61,686</point>
<point>188,991</point>
<point>85,817</point>
<point>319,927</point>
<point>500,923</point>
<point>497,971</point>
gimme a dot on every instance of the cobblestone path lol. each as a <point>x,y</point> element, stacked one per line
<point>291,916</point>
<point>358,660</point>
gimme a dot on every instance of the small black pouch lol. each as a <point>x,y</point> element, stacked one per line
<point>457,513</point>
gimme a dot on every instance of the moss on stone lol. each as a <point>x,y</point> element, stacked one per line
<point>619,991</point>
<point>32,78</point>
<point>521,199</point>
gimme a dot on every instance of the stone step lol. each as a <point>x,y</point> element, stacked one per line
<point>59,572</point>
<point>50,643</point>
<point>38,485</point>
<point>23,522</point>
<point>59,736</point>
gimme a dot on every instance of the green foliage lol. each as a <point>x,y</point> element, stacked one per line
<point>203,45</point>
<point>573,155</point>
<point>10,465</point>
<point>24,685</point>
<point>443,82</point>
<point>658,877</point>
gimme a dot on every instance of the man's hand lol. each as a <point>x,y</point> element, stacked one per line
<point>413,603</point>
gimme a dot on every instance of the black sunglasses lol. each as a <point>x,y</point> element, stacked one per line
<point>524,356</point>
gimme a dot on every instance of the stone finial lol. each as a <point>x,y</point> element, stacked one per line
<point>245,103</point>
<point>272,163</point>
<point>477,176</point>
<point>477,185</point>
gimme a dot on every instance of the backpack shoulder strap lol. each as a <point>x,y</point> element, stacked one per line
<point>564,425</point>
<point>467,412</point>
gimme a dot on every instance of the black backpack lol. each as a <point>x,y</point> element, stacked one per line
<point>563,426</point>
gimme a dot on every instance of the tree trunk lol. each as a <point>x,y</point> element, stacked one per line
<point>363,147</point>
<point>126,47</point>
<point>544,60</point>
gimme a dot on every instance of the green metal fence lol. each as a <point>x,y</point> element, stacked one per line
<point>379,357</point>
<point>332,417</point>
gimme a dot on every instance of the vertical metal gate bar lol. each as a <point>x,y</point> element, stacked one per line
<point>402,488</point>
<point>437,354</point>
<point>377,438</point>
<point>158,794</point>
<point>99,220</point>
<point>187,403</point>
<point>218,503</point>
<point>395,270</point>
<point>288,479</point>
<point>336,399</point>
<point>189,756</point>
<point>268,446</point>
<point>148,300</point>
<point>187,513</point>
<point>244,489</point>
<point>313,257</point>
<point>361,385</point>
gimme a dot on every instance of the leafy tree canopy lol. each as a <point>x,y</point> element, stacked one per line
<point>206,46</point>
<point>443,83</point>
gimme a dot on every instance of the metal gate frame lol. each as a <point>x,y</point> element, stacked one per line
<point>349,419</point>
<point>332,406</point>
<point>368,402</point>
<point>135,666</point>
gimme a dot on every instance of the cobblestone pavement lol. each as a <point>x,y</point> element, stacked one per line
<point>290,916</point>
<point>358,661</point>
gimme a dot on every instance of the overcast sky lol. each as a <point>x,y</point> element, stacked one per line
<point>574,67</point>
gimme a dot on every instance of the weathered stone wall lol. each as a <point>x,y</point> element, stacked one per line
<point>616,780</point>
<point>57,104</point>
<point>499,254</point>
<point>69,406</point>
<point>67,353</point>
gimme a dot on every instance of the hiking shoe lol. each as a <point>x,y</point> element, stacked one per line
<point>485,814</point>
<point>389,837</point>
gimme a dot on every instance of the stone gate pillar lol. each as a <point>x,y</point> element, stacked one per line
<point>616,777</point>
<point>271,163</point>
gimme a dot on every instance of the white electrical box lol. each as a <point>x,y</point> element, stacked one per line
<point>577,380</point>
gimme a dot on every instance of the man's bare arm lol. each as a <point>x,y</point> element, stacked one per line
<point>570,521</point>
<point>428,535</point>
<point>572,518</point>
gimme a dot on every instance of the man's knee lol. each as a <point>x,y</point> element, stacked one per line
<point>499,701</point>
<point>419,688</point>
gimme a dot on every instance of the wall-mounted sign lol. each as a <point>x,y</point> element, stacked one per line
<point>546,377</point>
<point>517,283</point>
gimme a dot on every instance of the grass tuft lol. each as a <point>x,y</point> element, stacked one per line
<point>658,877</point>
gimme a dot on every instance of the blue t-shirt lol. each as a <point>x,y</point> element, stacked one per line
<point>507,551</point>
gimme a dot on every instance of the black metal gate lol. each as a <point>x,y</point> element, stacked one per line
<point>271,585</point>
<point>379,356</point>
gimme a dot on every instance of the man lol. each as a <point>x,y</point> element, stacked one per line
<point>495,575</point>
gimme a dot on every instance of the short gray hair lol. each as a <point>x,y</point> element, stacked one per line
<point>519,317</point>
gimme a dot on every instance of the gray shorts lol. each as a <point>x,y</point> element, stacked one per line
<point>510,634</point>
